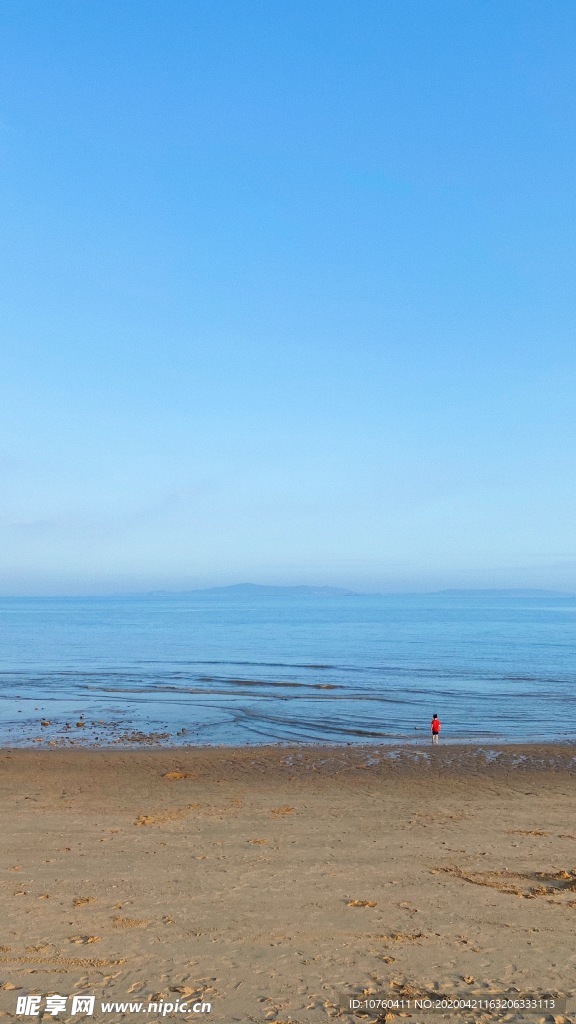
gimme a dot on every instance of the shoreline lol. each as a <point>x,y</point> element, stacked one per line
<point>325,759</point>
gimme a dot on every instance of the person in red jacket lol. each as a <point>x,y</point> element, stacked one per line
<point>435,729</point>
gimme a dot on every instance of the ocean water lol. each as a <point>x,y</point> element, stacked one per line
<point>239,670</point>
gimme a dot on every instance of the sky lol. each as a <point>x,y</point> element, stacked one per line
<point>287,294</point>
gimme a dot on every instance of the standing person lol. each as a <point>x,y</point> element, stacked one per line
<point>435,729</point>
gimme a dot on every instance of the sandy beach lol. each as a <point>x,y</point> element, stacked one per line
<point>274,883</point>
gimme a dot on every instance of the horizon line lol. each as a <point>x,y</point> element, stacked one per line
<point>330,590</point>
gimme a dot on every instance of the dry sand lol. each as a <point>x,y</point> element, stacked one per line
<point>271,881</point>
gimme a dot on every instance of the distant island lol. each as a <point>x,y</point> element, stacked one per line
<point>258,590</point>
<point>500,592</point>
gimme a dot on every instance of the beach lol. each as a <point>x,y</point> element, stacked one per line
<point>276,883</point>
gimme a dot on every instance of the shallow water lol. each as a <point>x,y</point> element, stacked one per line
<point>243,670</point>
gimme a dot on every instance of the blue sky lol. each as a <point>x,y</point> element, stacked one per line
<point>287,294</point>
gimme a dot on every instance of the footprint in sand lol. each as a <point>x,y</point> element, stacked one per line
<point>403,937</point>
<point>166,816</point>
<point>84,940</point>
<point>408,907</point>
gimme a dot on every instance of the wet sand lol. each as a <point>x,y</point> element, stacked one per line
<point>273,881</point>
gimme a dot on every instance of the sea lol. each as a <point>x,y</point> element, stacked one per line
<point>256,668</point>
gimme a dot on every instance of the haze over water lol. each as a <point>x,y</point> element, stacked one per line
<point>243,669</point>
